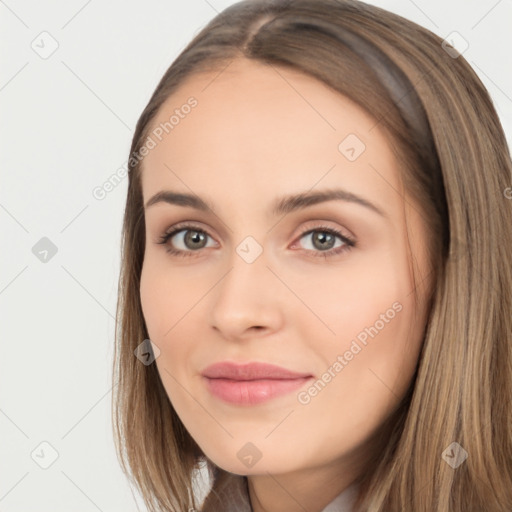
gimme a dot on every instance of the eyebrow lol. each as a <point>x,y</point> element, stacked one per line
<point>281,206</point>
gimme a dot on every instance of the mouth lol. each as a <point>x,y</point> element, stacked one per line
<point>252,383</point>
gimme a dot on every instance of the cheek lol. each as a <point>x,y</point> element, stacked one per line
<point>152,298</point>
<point>353,300</point>
<point>370,361</point>
<point>379,335</point>
<point>168,302</point>
<point>165,298</point>
<point>363,380</point>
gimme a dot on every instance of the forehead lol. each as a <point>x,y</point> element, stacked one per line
<point>270,127</point>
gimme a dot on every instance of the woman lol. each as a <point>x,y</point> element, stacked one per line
<point>341,337</point>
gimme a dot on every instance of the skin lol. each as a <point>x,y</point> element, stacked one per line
<point>258,133</point>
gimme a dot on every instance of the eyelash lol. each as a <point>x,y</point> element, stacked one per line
<point>349,243</point>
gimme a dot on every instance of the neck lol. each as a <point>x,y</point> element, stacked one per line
<point>310,490</point>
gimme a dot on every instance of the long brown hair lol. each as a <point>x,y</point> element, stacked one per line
<point>455,163</point>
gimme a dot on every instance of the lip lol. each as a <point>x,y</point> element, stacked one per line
<point>250,371</point>
<point>251,383</point>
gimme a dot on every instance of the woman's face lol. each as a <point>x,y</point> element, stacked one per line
<point>262,278</point>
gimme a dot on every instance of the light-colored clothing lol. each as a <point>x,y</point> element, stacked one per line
<point>232,495</point>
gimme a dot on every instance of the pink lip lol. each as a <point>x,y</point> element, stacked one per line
<point>251,383</point>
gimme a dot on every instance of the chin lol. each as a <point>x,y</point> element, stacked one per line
<point>246,459</point>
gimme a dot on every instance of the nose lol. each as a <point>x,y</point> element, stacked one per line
<point>248,300</point>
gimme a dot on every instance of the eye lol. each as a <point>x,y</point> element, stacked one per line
<point>188,236</point>
<point>323,240</point>
<point>192,239</point>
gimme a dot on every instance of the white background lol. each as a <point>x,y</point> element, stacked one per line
<point>66,127</point>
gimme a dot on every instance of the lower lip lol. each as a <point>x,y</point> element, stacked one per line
<point>251,392</point>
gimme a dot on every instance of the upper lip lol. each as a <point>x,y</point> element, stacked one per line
<point>250,371</point>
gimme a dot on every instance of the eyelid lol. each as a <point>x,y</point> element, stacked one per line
<point>348,240</point>
<point>318,224</point>
<point>310,225</point>
<point>182,226</point>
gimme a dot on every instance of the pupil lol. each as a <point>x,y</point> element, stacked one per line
<point>322,237</point>
<point>196,238</point>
